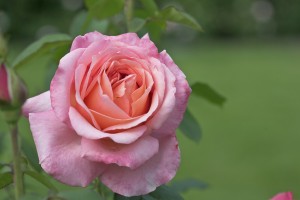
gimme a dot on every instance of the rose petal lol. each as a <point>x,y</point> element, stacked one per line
<point>158,170</point>
<point>85,129</point>
<point>61,83</point>
<point>37,104</point>
<point>129,155</point>
<point>138,120</point>
<point>86,40</point>
<point>183,91</point>
<point>59,150</point>
<point>283,196</point>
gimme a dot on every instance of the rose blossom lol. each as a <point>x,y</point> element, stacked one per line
<point>112,111</point>
<point>283,196</point>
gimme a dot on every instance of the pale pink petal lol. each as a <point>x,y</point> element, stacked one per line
<point>59,150</point>
<point>129,155</point>
<point>39,103</point>
<point>158,170</point>
<point>85,129</point>
<point>167,104</point>
<point>86,40</point>
<point>61,83</point>
<point>146,43</point>
<point>283,196</point>
<point>143,45</point>
<point>183,91</point>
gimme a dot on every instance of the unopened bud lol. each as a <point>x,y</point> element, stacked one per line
<point>12,89</point>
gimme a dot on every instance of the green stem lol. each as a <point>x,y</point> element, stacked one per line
<point>18,175</point>
<point>128,11</point>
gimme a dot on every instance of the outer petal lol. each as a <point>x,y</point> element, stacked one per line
<point>86,40</point>
<point>39,103</point>
<point>132,155</point>
<point>183,91</point>
<point>61,83</point>
<point>59,150</point>
<point>160,169</point>
<point>85,129</point>
<point>283,196</point>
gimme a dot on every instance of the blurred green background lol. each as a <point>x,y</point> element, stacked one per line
<point>249,52</point>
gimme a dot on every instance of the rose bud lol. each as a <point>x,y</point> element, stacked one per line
<point>283,196</point>
<point>12,89</point>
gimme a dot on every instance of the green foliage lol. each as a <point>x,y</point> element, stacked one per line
<point>206,92</point>
<point>41,179</point>
<point>188,184</point>
<point>79,195</point>
<point>101,9</point>
<point>82,24</point>
<point>150,6</point>
<point>6,178</point>
<point>136,24</point>
<point>44,45</point>
<point>190,127</point>
<point>174,15</point>
<point>161,193</point>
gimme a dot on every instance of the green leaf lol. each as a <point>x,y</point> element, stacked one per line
<point>150,6</point>
<point>82,24</point>
<point>42,179</point>
<point>190,127</point>
<point>80,194</point>
<point>32,196</point>
<point>161,193</point>
<point>101,9</point>
<point>185,185</point>
<point>173,15</point>
<point>120,197</point>
<point>136,24</point>
<point>43,45</point>
<point>5,179</point>
<point>165,193</point>
<point>206,92</point>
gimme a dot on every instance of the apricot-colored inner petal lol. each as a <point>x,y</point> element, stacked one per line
<point>115,89</point>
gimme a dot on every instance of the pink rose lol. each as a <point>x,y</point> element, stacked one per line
<point>283,196</point>
<point>112,110</point>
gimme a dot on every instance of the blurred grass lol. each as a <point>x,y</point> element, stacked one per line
<point>249,148</point>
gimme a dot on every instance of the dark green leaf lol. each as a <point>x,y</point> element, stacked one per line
<point>101,9</point>
<point>185,185</point>
<point>150,6</point>
<point>205,91</point>
<point>80,194</point>
<point>5,179</point>
<point>190,127</point>
<point>120,197</point>
<point>30,196</point>
<point>148,197</point>
<point>42,179</point>
<point>165,193</point>
<point>43,45</point>
<point>136,24</point>
<point>173,15</point>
